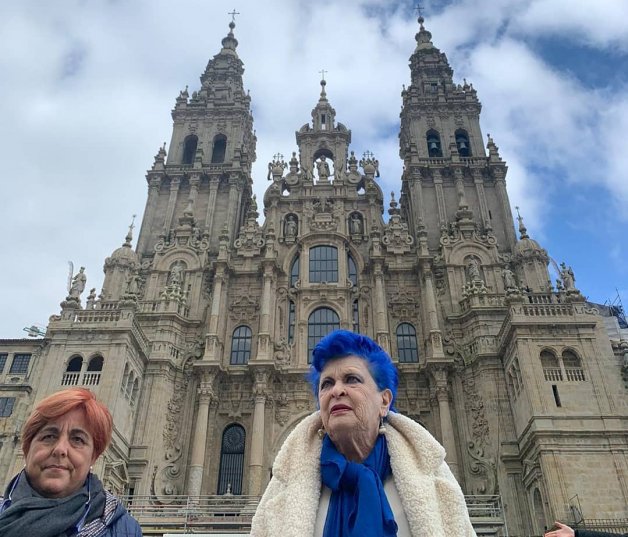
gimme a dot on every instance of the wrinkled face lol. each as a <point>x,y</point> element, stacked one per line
<point>60,455</point>
<point>349,399</point>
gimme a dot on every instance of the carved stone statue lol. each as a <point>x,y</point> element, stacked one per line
<point>323,169</point>
<point>356,224</point>
<point>509,279</point>
<point>290,227</point>
<point>78,284</point>
<point>176,275</point>
<point>568,277</point>
<point>473,270</point>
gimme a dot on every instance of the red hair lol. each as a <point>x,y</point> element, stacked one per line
<point>97,415</point>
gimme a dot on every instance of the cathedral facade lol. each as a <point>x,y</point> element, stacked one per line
<point>201,337</point>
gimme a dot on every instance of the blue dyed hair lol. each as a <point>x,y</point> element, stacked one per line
<point>341,343</point>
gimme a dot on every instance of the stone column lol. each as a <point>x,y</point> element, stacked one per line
<point>381,328</point>
<point>446,425</point>
<point>256,462</point>
<point>235,190</point>
<point>430,298</point>
<point>199,442</point>
<point>263,339</point>
<point>440,198</point>
<point>172,201</point>
<point>211,206</point>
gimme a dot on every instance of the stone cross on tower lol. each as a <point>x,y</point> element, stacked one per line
<point>233,15</point>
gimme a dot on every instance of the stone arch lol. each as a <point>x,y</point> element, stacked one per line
<point>189,149</point>
<point>74,364</point>
<point>219,149</point>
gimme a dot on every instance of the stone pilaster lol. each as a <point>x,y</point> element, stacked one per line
<point>440,374</point>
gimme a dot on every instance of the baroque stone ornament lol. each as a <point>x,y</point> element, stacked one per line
<point>397,239</point>
<point>169,480</point>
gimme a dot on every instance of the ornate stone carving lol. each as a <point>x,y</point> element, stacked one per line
<point>168,481</point>
<point>403,305</point>
<point>397,240</point>
<point>243,308</point>
<point>283,353</point>
<point>282,410</point>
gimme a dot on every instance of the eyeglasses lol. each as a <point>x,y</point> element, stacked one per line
<point>6,503</point>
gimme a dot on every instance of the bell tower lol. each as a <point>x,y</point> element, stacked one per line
<point>205,182</point>
<point>448,177</point>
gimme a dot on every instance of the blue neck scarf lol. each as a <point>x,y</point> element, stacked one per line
<point>358,506</point>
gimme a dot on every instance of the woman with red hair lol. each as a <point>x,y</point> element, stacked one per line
<point>56,493</point>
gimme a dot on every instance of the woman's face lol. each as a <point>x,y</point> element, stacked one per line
<point>349,399</point>
<point>60,455</point>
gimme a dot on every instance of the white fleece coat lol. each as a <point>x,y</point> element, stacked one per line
<point>431,497</point>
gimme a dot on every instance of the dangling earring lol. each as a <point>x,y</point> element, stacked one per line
<point>321,433</point>
<point>382,427</point>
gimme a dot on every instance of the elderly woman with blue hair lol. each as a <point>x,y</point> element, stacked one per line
<point>356,467</point>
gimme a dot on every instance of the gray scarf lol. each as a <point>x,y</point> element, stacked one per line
<point>32,514</point>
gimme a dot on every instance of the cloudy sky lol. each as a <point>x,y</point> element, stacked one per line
<point>87,88</point>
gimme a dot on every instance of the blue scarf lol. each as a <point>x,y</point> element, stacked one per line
<point>358,506</point>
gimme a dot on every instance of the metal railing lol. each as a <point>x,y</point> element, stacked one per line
<point>236,512</point>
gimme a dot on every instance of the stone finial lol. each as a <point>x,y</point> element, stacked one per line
<point>522,228</point>
<point>394,209</point>
<point>129,235</point>
<point>160,159</point>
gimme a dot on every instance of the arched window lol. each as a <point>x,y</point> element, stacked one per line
<point>75,364</point>
<point>94,369</point>
<point>189,149</point>
<point>241,345</point>
<point>219,149</point>
<point>231,460</point>
<point>129,385</point>
<point>72,371</point>
<point>294,271</point>
<point>321,322</point>
<point>462,143</point>
<point>551,367</point>
<point>573,366</point>
<point>353,271</point>
<point>125,376</point>
<point>134,392</point>
<point>292,317</point>
<point>406,344</point>
<point>323,264</point>
<point>433,144</point>
<point>95,364</point>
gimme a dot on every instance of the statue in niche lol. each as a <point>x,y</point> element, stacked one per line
<point>323,169</point>
<point>473,270</point>
<point>78,284</point>
<point>176,275</point>
<point>509,279</point>
<point>356,224</point>
<point>566,274</point>
<point>290,227</point>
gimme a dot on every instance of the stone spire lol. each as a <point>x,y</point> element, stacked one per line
<point>323,114</point>
<point>225,69</point>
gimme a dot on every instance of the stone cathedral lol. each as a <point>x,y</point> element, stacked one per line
<point>201,336</point>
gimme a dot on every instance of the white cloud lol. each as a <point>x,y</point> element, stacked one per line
<point>88,88</point>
